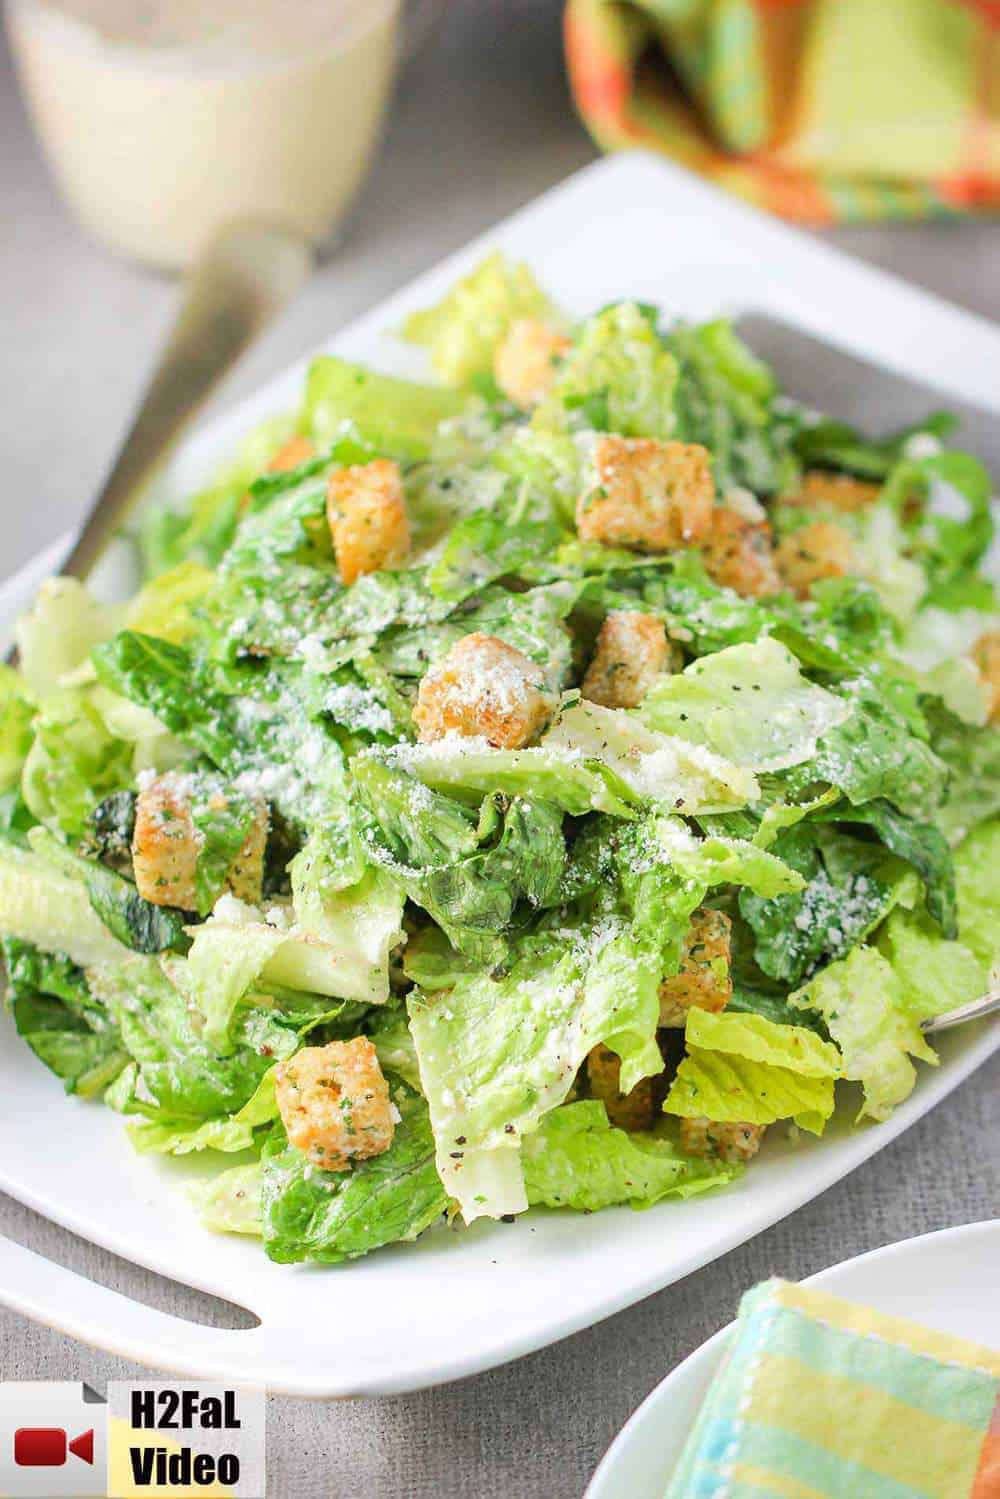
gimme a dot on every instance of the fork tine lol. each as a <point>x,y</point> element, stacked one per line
<point>976,1009</point>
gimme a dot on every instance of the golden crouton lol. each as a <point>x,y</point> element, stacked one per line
<point>821,490</point>
<point>819,550</point>
<point>738,554</point>
<point>986,654</point>
<point>483,688</point>
<point>632,650</point>
<point>635,1110</point>
<point>165,846</point>
<point>647,495</point>
<point>367,514</point>
<point>291,453</point>
<point>334,1103</point>
<point>524,365</point>
<point>729,1141</point>
<point>703,980</point>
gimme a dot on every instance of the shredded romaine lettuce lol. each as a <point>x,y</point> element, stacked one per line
<point>462,332</point>
<point>749,703</point>
<point>746,1069</point>
<point>712,905</point>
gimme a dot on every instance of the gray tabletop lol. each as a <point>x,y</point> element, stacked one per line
<point>481,124</point>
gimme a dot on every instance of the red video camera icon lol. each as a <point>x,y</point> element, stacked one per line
<point>48,1446</point>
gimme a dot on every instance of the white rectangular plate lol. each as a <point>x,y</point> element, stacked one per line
<point>456,1303</point>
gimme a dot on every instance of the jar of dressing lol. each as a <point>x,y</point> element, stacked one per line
<point>163,119</point>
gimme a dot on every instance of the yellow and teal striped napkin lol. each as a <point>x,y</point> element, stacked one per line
<point>822,1399</point>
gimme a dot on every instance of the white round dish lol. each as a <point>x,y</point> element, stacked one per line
<point>945,1280</point>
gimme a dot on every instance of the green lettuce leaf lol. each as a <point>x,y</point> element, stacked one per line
<point>497,1054</point>
<point>841,628</point>
<point>430,962</point>
<point>225,959</point>
<point>202,528</point>
<point>162,677</point>
<point>230,1203</point>
<point>977,877</point>
<point>16,714</point>
<point>487,545</point>
<point>73,762</point>
<point>390,1034</point>
<point>654,766</point>
<point>65,1025</point>
<point>58,632</point>
<point>163,606</point>
<point>397,417</point>
<point>944,505</point>
<point>936,974</point>
<point>780,815</point>
<point>875,752</point>
<point>972,759</point>
<point>85,1061</point>
<point>500,1050</point>
<point>747,1068</point>
<point>464,329</point>
<point>850,887</point>
<point>468,871</point>
<point>862,1000</point>
<point>471,769</point>
<point>225,1135</point>
<point>826,443</point>
<point>137,923</point>
<point>222,818</point>
<point>577,1160</point>
<point>758,1039</point>
<point>724,401</point>
<point>175,1074</point>
<point>748,703</point>
<point>547,467</point>
<point>263,726</point>
<point>880,557</point>
<point>617,377</point>
<point>42,905</point>
<point>351,927</point>
<point>717,860</point>
<point>229,1135</point>
<point>921,845</point>
<point>938,646</point>
<point>327,1216</point>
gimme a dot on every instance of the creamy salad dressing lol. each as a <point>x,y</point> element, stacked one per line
<point>164,118</point>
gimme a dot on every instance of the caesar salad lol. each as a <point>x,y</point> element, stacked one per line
<point>529,787</point>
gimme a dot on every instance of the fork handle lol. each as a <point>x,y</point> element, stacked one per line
<point>239,283</point>
<point>976,1009</point>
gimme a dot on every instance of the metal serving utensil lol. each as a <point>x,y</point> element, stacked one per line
<point>976,1009</point>
<point>239,284</point>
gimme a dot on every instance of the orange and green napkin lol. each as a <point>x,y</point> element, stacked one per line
<point>822,111</point>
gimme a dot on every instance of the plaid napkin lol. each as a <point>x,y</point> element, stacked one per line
<point>821,1399</point>
<point>819,110</point>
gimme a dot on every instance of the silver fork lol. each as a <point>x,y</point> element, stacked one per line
<point>238,285</point>
<point>976,1009</point>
